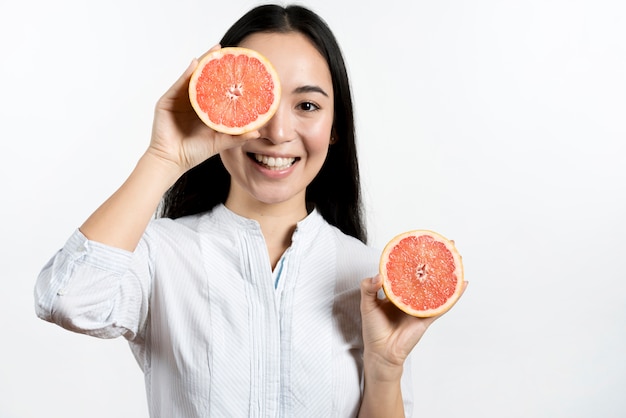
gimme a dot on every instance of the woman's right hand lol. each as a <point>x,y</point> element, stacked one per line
<point>180,141</point>
<point>179,136</point>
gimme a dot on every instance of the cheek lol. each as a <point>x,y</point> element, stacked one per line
<point>230,160</point>
<point>319,137</point>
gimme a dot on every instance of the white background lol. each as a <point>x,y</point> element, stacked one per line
<point>501,124</point>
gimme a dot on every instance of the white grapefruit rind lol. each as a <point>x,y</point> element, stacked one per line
<point>236,130</point>
<point>458,271</point>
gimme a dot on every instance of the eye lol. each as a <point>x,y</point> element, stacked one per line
<point>308,106</point>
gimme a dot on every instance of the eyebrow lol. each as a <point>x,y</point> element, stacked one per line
<point>309,89</point>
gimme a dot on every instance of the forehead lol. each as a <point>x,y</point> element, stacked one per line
<point>296,59</point>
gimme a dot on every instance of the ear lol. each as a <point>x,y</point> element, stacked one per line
<point>333,136</point>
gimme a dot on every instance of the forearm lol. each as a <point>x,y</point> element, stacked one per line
<point>122,219</point>
<point>382,393</point>
<point>81,289</point>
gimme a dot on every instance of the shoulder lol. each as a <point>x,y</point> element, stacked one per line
<point>349,246</point>
<point>180,233</point>
<point>181,225</point>
<point>353,256</point>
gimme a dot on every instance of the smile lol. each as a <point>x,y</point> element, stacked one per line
<point>274,163</point>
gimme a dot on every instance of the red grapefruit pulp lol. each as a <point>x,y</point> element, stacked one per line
<point>422,273</point>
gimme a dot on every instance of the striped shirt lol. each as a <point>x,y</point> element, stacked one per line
<point>215,331</point>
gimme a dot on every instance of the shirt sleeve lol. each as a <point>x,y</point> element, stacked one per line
<point>95,289</point>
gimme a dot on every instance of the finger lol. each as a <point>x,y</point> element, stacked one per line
<point>250,135</point>
<point>369,293</point>
<point>213,48</point>
<point>226,141</point>
<point>183,80</point>
<point>373,285</point>
<point>177,96</point>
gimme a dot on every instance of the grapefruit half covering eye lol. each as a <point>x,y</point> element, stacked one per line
<point>234,90</point>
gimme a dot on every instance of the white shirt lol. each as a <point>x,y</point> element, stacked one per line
<point>215,332</point>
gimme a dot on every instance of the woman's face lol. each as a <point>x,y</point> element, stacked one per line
<point>276,168</point>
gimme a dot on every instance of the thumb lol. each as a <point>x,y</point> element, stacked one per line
<point>369,292</point>
<point>213,48</point>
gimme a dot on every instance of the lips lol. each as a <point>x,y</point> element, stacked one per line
<point>274,163</point>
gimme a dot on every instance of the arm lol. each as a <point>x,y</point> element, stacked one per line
<point>180,141</point>
<point>382,395</point>
<point>389,335</point>
<point>121,220</point>
<point>109,298</point>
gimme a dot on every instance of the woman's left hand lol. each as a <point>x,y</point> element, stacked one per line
<point>389,334</point>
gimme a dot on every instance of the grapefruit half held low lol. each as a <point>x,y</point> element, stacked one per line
<point>234,90</point>
<point>422,273</point>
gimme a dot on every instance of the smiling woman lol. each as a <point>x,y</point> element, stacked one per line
<point>299,132</point>
<point>335,191</point>
<point>254,293</point>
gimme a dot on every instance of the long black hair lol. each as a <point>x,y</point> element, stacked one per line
<point>335,192</point>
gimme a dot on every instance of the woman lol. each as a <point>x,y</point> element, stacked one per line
<point>249,296</point>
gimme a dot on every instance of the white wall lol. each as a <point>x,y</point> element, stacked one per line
<point>498,123</point>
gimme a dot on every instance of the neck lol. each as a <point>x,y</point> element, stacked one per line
<point>277,221</point>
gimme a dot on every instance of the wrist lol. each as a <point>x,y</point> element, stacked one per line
<point>162,170</point>
<point>382,391</point>
<point>376,368</point>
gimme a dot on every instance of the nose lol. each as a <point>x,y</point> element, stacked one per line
<point>280,128</point>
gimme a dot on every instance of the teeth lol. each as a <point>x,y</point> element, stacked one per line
<point>278,163</point>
